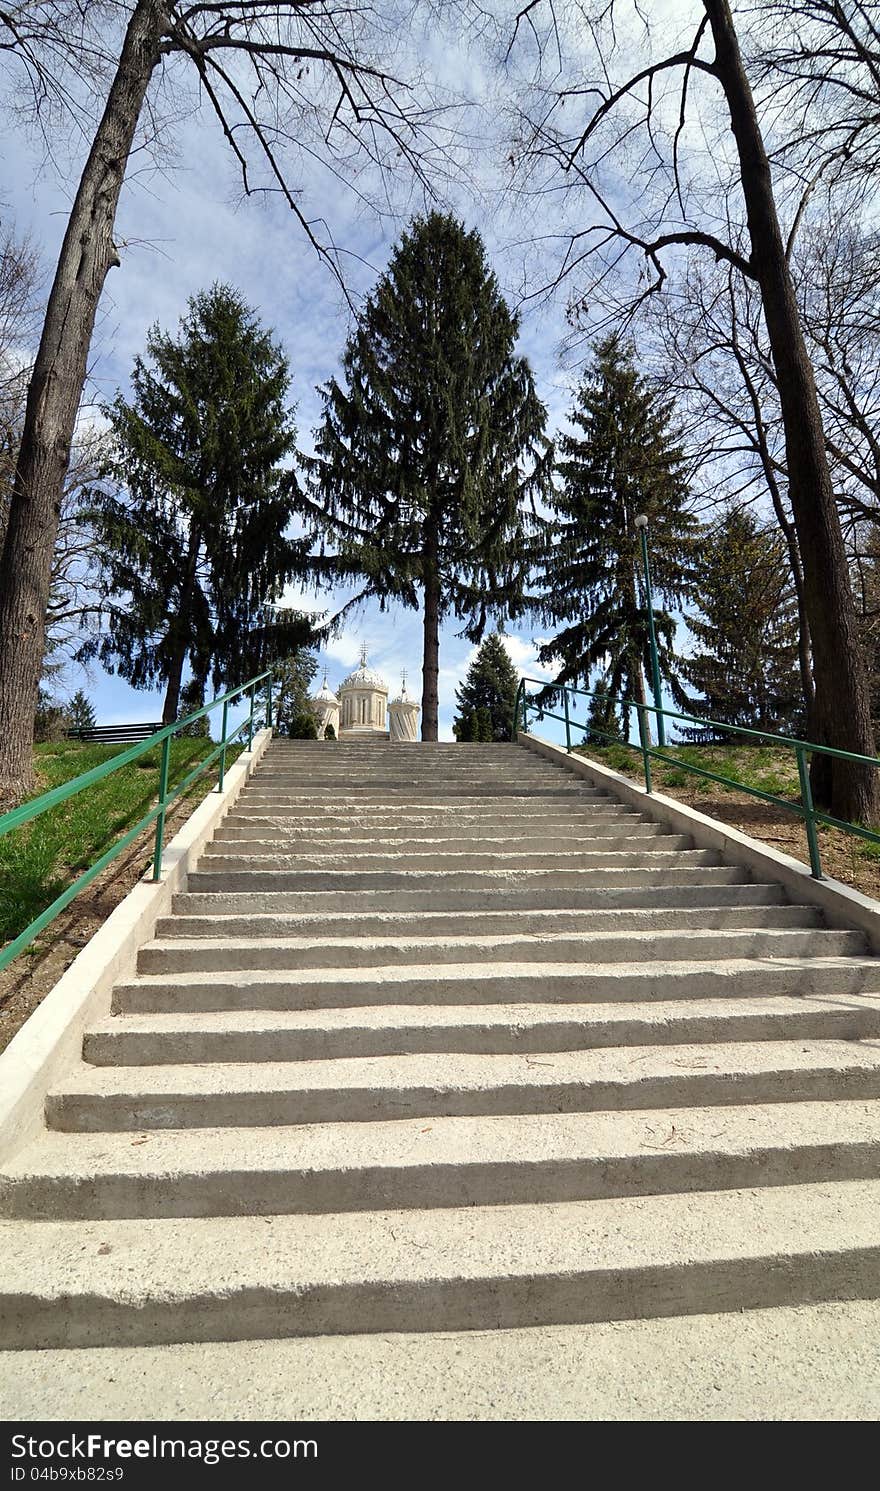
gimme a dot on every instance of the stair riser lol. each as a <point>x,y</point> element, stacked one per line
<point>72,1112</point>
<point>351,798</point>
<point>138,1049</point>
<point>173,997</point>
<point>504,923</point>
<point>402,823</point>
<point>446,1304</point>
<point>291,1192</point>
<point>341,882</point>
<point>624,836</point>
<point>411,902</point>
<point>438,851</point>
<point>599,948</point>
<point>601,859</point>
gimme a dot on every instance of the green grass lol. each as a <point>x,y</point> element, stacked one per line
<point>767,768</point>
<point>38,860</point>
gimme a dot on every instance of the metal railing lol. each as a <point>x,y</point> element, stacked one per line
<point>805,809</point>
<point>39,805</point>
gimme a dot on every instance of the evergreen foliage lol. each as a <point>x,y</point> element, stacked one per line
<point>293,713</point>
<point>487,697</point>
<point>745,669</point>
<point>604,724</point>
<point>193,523</point>
<point>621,460</point>
<point>192,697</point>
<point>430,442</point>
<point>80,714</point>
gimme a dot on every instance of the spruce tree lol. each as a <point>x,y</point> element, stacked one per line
<point>294,715</point>
<point>604,724</point>
<point>79,711</point>
<point>745,670</point>
<point>194,522</point>
<point>431,441</point>
<point>487,697</point>
<point>621,460</point>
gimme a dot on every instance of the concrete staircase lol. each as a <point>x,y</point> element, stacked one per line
<point>439,1038</point>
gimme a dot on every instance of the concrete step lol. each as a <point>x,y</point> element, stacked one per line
<point>271,842</point>
<point>400,902</point>
<point>439,816</point>
<point>558,1157</point>
<point>180,954</point>
<point>486,923</point>
<point>309,1035</point>
<point>430,1085</point>
<point>518,983</point>
<point>681,870</point>
<point>599,858</point>
<point>466,1268</point>
<point>436,849</point>
<point>442,820</point>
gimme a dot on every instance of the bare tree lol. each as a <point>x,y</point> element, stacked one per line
<point>284,81</point>
<point>712,356</point>
<point>668,210</point>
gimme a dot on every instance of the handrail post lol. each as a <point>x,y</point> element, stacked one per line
<point>567,720</point>
<point>251,718</point>
<point>269,702</point>
<point>646,759</point>
<point>223,746</point>
<point>809,814</point>
<point>164,763</point>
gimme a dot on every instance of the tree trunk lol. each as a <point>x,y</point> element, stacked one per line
<point>842,714</point>
<point>431,652</point>
<point>87,254</point>
<point>178,631</point>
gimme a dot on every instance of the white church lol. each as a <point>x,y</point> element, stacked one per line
<point>360,709</point>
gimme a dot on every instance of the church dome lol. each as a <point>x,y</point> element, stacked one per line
<point>364,677</point>
<point>325,694</point>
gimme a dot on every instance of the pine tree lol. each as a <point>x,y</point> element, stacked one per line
<point>621,460</point>
<point>604,724</point>
<point>487,698</point>
<point>192,697</point>
<point>745,669</point>
<point>80,714</point>
<point>431,441</point>
<point>193,527</point>
<point>294,715</point>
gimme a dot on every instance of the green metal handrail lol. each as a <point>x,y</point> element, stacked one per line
<point>804,809</point>
<point>17,817</point>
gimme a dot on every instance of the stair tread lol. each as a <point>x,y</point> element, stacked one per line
<point>463,1071</point>
<point>457,1141</point>
<point>136,1262</point>
<point>503,1016</point>
<point>861,974</point>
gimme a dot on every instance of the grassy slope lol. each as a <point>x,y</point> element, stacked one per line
<point>768,768</point>
<point>40,859</point>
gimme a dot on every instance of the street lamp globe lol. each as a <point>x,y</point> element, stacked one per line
<point>642,520</point>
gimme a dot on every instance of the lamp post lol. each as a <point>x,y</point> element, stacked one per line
<point>642,525</point>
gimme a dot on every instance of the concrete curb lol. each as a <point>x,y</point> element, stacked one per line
<point>842,905</point>
<point>50,1041</point>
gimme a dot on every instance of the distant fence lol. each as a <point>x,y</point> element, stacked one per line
<point>110,734</point>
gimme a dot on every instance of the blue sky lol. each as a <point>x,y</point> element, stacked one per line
<point>183,228</point>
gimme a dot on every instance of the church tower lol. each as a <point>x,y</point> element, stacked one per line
<point>403,715</point>
<point>363,702</point>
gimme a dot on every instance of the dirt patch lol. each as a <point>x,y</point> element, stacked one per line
<point>843,855</point>
<point>30,978</point>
